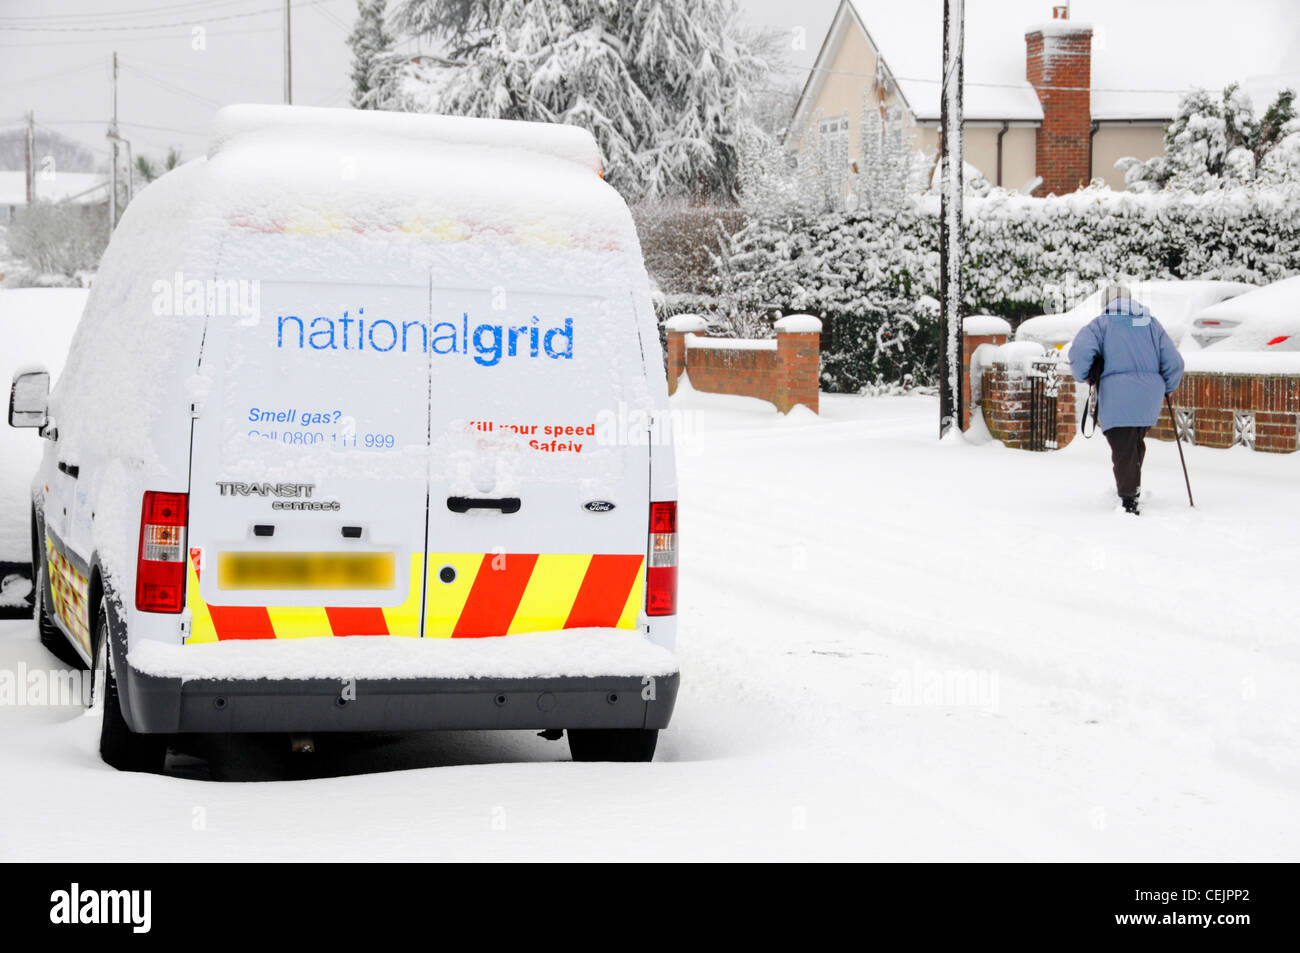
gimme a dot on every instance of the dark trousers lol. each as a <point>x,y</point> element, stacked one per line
<point>1127,450</point>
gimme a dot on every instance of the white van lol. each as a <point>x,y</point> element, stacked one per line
<point>365,427</point>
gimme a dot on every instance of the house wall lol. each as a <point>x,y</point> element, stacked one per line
<point>980,145</point>
<point>843,90</point>
<point>842,94</point>
<point>1114,141</point>
<point>853,66</point>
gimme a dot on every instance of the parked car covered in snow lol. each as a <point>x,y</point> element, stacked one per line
<point>1174,303</point>
<point>1266,318</point>
<point>364,428</point>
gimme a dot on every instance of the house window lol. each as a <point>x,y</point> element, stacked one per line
<point>833,141</point>
<point>835,128</point>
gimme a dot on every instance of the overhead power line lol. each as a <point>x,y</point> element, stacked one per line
<point>137,39</point>
<point>969,83</point>
<point>154,26</point>
<point>171,87</point>
<point>190,6</point>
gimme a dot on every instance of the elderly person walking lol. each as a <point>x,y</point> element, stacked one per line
<point>1140,366</point>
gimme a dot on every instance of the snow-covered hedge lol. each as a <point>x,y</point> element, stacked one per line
<point>872,274</point>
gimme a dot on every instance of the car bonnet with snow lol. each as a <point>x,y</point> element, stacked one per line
<point>1263,319</point>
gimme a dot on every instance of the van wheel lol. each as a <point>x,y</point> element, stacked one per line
<point>52,637</point>
<point>613,744</point>
<point>119,746</point>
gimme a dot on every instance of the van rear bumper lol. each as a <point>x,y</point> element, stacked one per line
<point>159,704</point>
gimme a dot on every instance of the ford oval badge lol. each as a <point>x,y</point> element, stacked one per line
<point>598,506</point>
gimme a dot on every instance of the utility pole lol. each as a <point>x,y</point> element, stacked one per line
<point>112,138</point>
<point>288,57</point>
<point>29,154</point>
<point>951,167</point>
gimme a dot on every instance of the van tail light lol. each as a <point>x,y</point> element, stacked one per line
<point>661,577</point>
<point>160,569</point>
<point>1285,337</point>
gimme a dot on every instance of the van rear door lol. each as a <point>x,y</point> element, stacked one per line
<point>539,466</point>
<point>309,465</point>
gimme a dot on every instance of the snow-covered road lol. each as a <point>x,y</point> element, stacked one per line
<point>891,649</point>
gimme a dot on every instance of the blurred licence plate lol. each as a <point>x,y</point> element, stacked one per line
<point>306,571</point>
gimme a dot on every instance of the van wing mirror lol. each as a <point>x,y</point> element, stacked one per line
<point>29,399</point>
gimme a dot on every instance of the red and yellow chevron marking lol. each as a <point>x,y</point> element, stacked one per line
<point>488,594</point>
<point>70,591</point>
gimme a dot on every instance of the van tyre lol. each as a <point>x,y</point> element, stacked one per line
<point>613,744</point>
<point>52,637</point>
<point>119,746</point>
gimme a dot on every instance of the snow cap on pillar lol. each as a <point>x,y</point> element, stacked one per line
<point>981,325</point>
<point>799,324</point>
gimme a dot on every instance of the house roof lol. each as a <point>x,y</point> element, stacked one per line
<point>1146,53</point>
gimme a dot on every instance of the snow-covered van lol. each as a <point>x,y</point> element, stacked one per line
<point>365,427</point>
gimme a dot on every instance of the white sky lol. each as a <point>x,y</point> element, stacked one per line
<point>168,90</point>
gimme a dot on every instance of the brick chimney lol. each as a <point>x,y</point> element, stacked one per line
<point>1058,64</point>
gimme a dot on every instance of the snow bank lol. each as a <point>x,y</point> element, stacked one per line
<point>984,324</point>
<point>799,324</point>
<point>574,652</point>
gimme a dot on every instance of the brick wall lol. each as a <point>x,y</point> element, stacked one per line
<point>974,333</point>
<point>1005,397</point>
<point>1058,64</point>
<point>786,372</point>
<point>1268,406</point>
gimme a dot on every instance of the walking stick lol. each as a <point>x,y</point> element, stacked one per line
<point>1173,422</point>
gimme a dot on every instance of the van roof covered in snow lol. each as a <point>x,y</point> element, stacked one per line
<point>353,128</point>
<point>401,179</point>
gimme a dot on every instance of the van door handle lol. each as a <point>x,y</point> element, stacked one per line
<point>463,504</point>
<point>70,469</point>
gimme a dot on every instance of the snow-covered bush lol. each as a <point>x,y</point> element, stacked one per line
<point>1282,164</point>
<point>871,273</point>
<point>55,242</point>
<point>375,68</point>
<point>818,177</point>
<point>1213,143</point>
<point>867,273</point>
<point>665,87</point>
